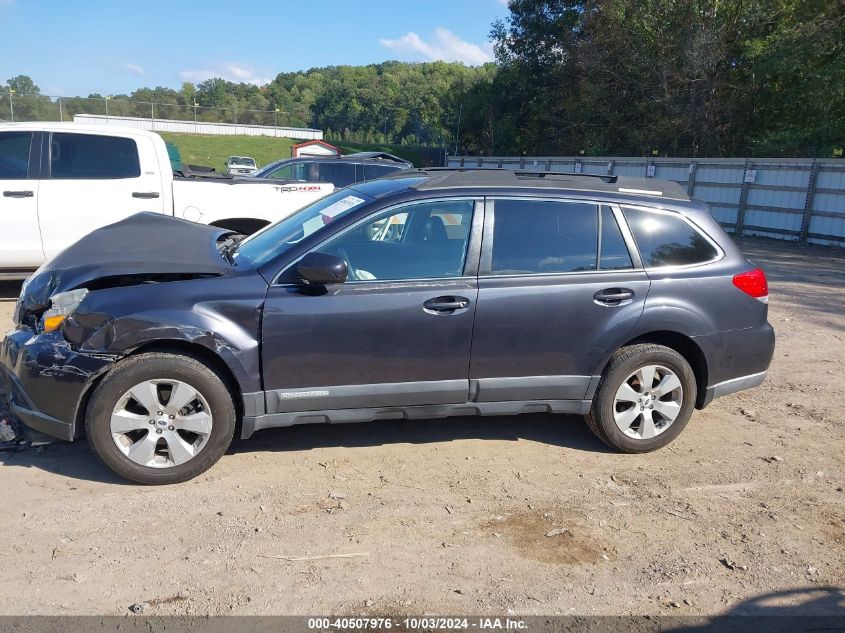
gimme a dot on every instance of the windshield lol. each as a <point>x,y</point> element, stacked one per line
<point>277,238</point>
<point>238,160</point>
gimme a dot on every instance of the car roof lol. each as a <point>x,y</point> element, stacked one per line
<point>432,179</point>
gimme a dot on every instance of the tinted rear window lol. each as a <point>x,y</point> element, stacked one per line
<point>14,155</point>
<point>534,236</point>
<point>339,174</point>
<point>93,157</point>
<point>667,240</point>
<point>377,171</point>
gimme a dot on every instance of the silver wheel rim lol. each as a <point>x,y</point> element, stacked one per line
<point>161,423</point>
<point>647,402</point>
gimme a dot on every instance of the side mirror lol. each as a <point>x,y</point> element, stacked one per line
<point>320,269</point>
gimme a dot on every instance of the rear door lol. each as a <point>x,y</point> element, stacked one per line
<point>94,180</point>
<point>554,296</point>
<point>19,170</point>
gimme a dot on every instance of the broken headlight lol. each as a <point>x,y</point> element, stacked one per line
<point>62,306</point>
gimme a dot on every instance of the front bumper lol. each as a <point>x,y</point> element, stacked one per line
<point>46,380</point>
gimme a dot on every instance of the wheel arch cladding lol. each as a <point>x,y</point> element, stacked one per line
<point>682,344</point>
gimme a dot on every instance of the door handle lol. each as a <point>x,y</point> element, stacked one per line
<point>18,194</point>
<point>145,194</point>
<point>614,296</point>
<point>445,305</point>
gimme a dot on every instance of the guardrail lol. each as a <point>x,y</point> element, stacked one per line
<point>783,198</point>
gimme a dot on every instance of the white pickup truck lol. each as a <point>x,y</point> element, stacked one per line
<point>60,181</point>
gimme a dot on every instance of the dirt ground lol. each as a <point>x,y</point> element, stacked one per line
<point>744,513</point>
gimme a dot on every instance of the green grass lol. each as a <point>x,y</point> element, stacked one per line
<point>212,151</point>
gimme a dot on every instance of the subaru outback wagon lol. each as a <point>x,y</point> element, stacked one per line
<point>424,295</point>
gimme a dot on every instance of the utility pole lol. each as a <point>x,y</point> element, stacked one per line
<point>458,133</point>
<point>61,116</point>
<point>11,104</point>
<point>275,117</point>
<point>107,105</point>
<point>195,115</point>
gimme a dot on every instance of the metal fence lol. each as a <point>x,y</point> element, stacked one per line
<point>39,107</point>
<point>200,127</point>
<point>782,198</point>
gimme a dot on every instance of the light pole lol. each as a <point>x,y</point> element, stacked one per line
<point>275,117</point>
<point>458,134</point>
<point>195,115</point>
<point>11,104</point>
<point>61,116</point>
<point>107,105</point>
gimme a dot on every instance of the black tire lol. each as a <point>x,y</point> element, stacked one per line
<point>626,361</point>
<point>160,366</point>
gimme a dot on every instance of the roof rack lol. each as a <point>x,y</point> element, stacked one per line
<point>443,177</point>
<point>608,178</point>
<point>376,156</point>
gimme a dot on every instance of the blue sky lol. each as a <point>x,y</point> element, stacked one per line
<point>76,48</point>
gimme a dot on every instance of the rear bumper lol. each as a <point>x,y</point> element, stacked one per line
<point>46,380</point>
<point>736,360</point>
<point>733,385</point>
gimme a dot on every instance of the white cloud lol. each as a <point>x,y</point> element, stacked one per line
<point>230,71</point>
<point>135,69</point>
<point>445,46</point>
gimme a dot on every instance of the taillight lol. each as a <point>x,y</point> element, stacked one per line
<point>753,283</point>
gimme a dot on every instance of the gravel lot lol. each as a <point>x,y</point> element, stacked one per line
<point>744,513</point>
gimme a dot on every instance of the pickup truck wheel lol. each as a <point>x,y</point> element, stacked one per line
<point>160,418</point>
<point>644,400</point>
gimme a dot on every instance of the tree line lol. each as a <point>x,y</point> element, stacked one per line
<point>592,77</point>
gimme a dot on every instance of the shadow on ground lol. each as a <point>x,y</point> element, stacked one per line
<point>75,460</point>
<point>805,609</point>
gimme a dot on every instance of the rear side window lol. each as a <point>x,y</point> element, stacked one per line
<point>339,174</point>
<point>614,252</point>
<point>14,155</point>
<point>377,171</point>
<point>667,240</point>
<point>93,157</point>
<point>538,236</point>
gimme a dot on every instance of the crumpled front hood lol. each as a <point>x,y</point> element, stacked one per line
<point>145,243</point>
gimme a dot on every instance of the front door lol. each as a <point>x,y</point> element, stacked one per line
<point>95,180</point>
<point>396,333</point>
<point>558,287</point>
<point>19,167</point>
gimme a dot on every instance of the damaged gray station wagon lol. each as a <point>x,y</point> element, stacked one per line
<point>427,294</point>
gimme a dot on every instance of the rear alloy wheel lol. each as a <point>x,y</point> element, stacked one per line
<point>644,400</point>
<point>647,402</point>
<point>160,418</point>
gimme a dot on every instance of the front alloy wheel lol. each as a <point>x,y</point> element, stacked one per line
<point>161,423</point>
<point>160,418</point>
